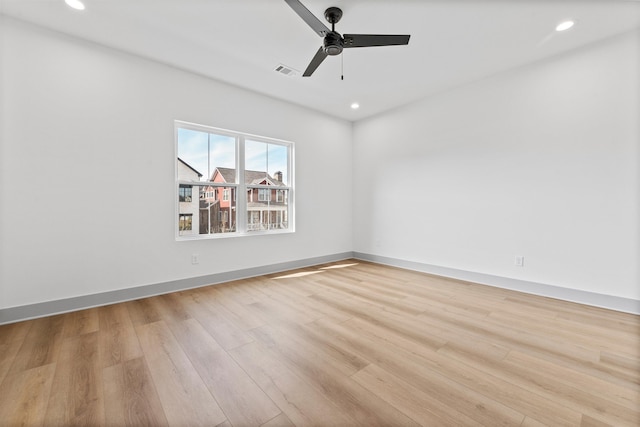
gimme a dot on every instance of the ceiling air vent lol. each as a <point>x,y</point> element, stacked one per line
<point>287,71</point>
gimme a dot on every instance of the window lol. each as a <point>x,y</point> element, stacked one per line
<point>185,222</point>
<point>184,193</point>
<point>209,193</point>
<point>267,173</point>
<point>264,195</point>
<point>236,178</point>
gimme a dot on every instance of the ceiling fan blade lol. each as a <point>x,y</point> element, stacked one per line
<point>315,62</point>
<point>366,40</point>
<point>308,17</point>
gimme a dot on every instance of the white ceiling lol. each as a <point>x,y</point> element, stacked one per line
<point>241,42</point>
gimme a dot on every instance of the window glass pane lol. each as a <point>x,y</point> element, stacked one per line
<point>193,159</point>
<point>263,160</point>
<point>222,159</point>
<point>255,163</point>
<point>206,211</point>
<point>201,154</point>
<point>217,210</point>
<point>267,209</point>
<point>188,210</point>
<point>278,163</point>
<point>185,224</point>
<point>185,193</point>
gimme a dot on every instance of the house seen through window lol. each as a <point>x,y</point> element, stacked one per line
<point>229,183</point>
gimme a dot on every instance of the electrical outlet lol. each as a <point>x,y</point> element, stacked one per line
<point>195,259</point>
<point>519,260</point>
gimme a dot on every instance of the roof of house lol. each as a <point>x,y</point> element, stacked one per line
<point>250,177</point>
<point>189,166</point>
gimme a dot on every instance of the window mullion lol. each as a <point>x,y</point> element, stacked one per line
<point>291,190</point>
<point>241,194</point>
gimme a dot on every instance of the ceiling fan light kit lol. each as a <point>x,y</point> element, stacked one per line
<point>334,42</point>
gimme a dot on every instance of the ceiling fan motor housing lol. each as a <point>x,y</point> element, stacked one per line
<point>333,43</point>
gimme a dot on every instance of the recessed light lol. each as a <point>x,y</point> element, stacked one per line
<point>355,106</point>
<point>76,4</point>
<point>564,26</point>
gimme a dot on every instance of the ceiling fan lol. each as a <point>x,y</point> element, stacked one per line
<point>333,41</point>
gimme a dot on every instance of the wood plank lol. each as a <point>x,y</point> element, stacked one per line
<point>556,408</point>
<point>24,396</point>
<point>77,397</point>
<point>185,398</point>
<point>352,398</point>
<point>143,311</point>
<point>615,320</point>
<point>130,396</point>
<point>303,404</point>
<point>217,325</point>
<point>170,307</point>
<point>8,354</point>
<point>451,395</point>
<point>118,339</point>
<point>114,389</point>
<point>272,308</point>
<point>41,344</point>
<point>530,422</point>
<point>580,392</point>
<point>81,322</point>
<point>628,365</point>
<point>627,397</point>
<point>241,315</point>
<point>362,292</point>
<point>280,421</point>
<point>588,421</point>
<point>510,393</point>
<point>592,337</point>
<point>283,294</point>
<point>242,401</point>
<point>405,326</point>
<point>297,339</point>
<point>419,405</point>
<point>13,332</point>
<point>511,336</point>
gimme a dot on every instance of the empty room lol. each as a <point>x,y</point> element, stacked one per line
<point>319,213</point>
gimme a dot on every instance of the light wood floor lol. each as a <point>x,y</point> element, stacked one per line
<point>343,344</point>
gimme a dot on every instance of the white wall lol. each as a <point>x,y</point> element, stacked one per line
<point>542,161</point>
<point>88,133</point>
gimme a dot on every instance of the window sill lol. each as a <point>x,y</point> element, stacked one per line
<point>232,235</point>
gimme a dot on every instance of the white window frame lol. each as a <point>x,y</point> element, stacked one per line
<point>239,188</point>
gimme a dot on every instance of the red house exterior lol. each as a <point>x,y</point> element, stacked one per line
<point>267,208</point>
